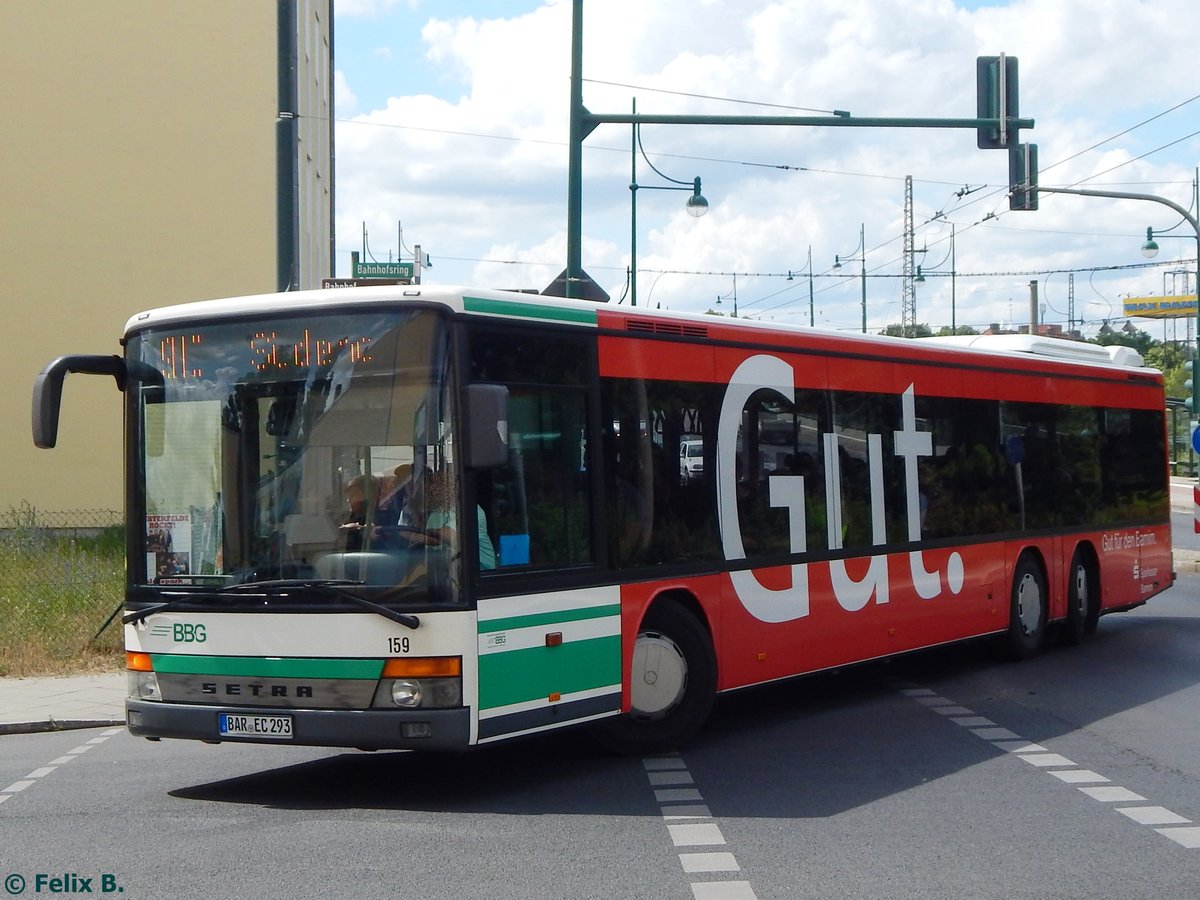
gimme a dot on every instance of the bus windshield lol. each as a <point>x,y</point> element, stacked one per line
<point>296,448</point>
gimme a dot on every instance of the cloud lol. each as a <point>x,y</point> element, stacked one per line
<point>479,170</point>
<point>344,101</point>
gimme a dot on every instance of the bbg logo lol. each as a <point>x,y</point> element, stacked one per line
<point>185,633</point>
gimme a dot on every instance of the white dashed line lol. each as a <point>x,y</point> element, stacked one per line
<point>1184,837</point>
<point>33,777</point>
<point>690,825</point>
<point>1090,783</point>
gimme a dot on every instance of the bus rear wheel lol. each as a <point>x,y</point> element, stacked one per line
<point>1027,609</point>
<point>673,681</point>
<point>1082,601</point>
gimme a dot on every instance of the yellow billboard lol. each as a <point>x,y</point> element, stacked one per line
<point>1177,306</point>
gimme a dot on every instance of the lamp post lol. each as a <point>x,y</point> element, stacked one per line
<point>732,293</point>
<point>920,279</point>
<point>837,264</point>
<point>696,204</point>
<point>583,122</point>
<point>812,317</point>
<point>1150,248</point>
<point>791,276</point>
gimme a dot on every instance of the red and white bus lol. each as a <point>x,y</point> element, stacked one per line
<point>423,517</point>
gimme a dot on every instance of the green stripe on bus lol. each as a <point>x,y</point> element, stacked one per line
<point>531,310</point>
<point>533,674</point>
<point>266,667</point>
<point>486,626</point>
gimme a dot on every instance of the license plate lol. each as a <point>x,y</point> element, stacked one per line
<point>277,728</point>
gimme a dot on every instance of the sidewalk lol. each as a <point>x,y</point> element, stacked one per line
<point>53,704</point>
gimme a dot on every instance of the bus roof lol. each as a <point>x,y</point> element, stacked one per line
<point>539,307</point>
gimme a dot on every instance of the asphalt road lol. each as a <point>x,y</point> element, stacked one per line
<point>945,774</point>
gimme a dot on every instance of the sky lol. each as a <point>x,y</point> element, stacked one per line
<point>452,134</point>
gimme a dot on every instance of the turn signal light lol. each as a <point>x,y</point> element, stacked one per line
<point>423,667</point>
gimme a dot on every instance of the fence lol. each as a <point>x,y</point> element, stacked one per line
<point>61,577</point>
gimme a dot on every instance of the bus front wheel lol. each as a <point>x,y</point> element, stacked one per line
<point>672,684</point>
<point>1027,610</point>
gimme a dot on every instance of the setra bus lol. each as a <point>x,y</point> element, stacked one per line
<point>425,517</point>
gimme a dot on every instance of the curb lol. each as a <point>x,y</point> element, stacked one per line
<point>56,725</point>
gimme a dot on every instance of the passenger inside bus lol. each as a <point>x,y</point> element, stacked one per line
<point>441,525</point>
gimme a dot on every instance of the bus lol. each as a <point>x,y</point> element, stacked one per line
<point>425,517</point>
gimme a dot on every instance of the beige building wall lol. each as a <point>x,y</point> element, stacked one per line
<point>138,168</point>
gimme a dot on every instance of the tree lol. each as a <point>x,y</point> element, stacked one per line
<point>913,331</point>
<point>1139,340</point>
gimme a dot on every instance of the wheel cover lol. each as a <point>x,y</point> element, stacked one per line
<point>659,676</point>
<point>1029,603</point>
<point>1081,591</point>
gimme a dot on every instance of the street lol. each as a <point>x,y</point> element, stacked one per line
<point>944,774</point>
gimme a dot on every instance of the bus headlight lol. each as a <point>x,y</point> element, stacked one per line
<point>143,686</point>
<point>142,683</point>
<point>420,693</point>
<point>406,693</point>
<point>424,682</point>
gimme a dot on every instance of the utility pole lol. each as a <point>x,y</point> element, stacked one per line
<point>908,302</point>
<point>998,125</point>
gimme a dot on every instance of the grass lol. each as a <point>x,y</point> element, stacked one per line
<point>56,590</point>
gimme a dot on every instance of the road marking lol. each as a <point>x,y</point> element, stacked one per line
<point>709,862</point>
<point>681,807</point>
<point>37,774</point>
<point>1153,815</point>
<point>1078,776</point>
<point>1184,837</point>
<point>1090,783</point>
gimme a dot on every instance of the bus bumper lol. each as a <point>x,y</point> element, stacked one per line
<point>365,729</point>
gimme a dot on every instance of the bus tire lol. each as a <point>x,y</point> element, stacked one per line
<point>1027,609</point>
<point>673,683</point>
<point>1082,600</point>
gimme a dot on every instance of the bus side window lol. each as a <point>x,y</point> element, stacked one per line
<point>537,506</point>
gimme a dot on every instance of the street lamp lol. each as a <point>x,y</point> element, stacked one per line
<point>732,293</point>
<point>1150,248</point>
<point>696,205</point>
<point>812,318</point>
<point>837,264</point>
<point>920,279</point>
<point>791,276</point>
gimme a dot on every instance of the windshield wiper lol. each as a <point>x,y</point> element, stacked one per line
<point>145,611</point>
<point>333,587</point>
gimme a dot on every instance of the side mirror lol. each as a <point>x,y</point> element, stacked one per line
<point>487,425</point>
<point>47,390</point>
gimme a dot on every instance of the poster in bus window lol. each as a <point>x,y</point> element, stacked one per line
<point>168,547</point>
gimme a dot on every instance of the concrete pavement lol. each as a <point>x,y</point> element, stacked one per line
<point>51,704</point>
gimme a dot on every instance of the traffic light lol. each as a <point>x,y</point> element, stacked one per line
<point>1191,398</point>
<point>1022,177</point>
<point>996,98</point>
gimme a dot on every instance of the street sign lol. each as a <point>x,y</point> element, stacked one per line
<point>361,282</point>
<point>381,270</point>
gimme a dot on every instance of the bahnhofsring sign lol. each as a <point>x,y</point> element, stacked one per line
<point>1177,306</point>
